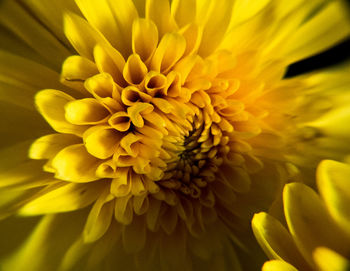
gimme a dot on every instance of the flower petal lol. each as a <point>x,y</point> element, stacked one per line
<point>328,260</point>
<point>61,198</point>
<point>33,33</point>
<point>75,70</point>
<point>134,70</point>
<point>169,51</point>
<point>101,141</point>
<point>99,15</point>
<point>183,11</point>
<point>48,146</point>
<point>99,218</point>
<point>75,164</point>
<point>144,38</point>
<point>309,222</point>
<point>159,12</point>
<point>216,17</point>
<point>51,105</point>
<point>81,35</point>
<point>125,14</point>
<point>276,240</point>
<point>314,36</point>
<point>20,71</point>
<point>109,60</point>
<point>333,184</point>
<point>278,265</point>
<point>334,123</point>
<point>54,233</point>
<point>86,111</point>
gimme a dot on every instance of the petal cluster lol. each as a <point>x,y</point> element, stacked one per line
<point>318,224</point>
<point>168,125</point>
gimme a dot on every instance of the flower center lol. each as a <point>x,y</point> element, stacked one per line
<point>164,127</point>
<point>195,164</point>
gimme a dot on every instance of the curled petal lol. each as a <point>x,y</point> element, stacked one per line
<point>86,111</point>
<point>75,164</point>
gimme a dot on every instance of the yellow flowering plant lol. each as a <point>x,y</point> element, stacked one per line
<point>144,134</point>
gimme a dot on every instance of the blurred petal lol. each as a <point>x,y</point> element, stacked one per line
<point>304,208</point>
<point>278,265</point>
<point>333,184</point>
<point>276,240</point>
<point>44,248</point>
<point>328,260</point>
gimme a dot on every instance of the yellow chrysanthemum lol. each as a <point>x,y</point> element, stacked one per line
<point>170,124</point>
<point>319,225</point>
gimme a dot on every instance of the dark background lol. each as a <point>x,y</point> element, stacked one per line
<point>333,56</point>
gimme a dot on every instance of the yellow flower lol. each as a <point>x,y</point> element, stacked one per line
<point>319,225</point>
<point>170,124</point>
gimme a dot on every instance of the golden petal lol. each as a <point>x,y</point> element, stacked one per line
<point>332,182</point>
<point>276,241</point>
<point>51,105</point>
<point>86,112</point>
<point>144,38</point>
<point>303,209</point>
<point>50,199</point>
<point>101,141</point>
<point>100,217</point>
<point>278,265</point>
<point>75,164</point>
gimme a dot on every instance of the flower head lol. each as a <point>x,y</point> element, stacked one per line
<point>319,236</point>
<point>170,124</point>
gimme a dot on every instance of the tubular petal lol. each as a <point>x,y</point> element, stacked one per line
<point>134,70</point>
<point>120,121</point>
<point>137,111</point>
